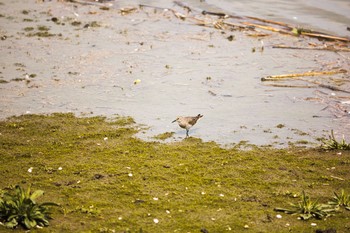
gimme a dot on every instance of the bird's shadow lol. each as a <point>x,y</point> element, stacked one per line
<point>182,133</point>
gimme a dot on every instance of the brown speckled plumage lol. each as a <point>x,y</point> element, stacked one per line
<point>187,122</point>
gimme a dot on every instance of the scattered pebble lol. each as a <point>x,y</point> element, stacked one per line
<point>106,138</point>
<point>60,168</point>
<point>30,170</point>
<point>155,220</point>
<point>313,224</point>
<point>167,211</point>
<point>279,216</point>
<point>155,198</point>
<point>120,218</point>
<point>130,174</point>
<point>246,226</point>
<point>221,195</point>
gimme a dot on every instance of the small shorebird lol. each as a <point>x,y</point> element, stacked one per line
<point>187,122</point>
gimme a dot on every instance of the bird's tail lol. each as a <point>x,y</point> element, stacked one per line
<point>199,116</point>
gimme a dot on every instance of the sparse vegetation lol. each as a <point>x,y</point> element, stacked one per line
<point>306,209</point>
<point>341,200</point>
<point>333,144</point>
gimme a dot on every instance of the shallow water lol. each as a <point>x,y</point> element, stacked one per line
<point>183,68</point>
<point>325,15</point>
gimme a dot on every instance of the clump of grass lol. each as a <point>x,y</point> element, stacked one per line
<point>41,34</point>
<point>306,209</point>
<point>333,144</point>
<point>124,121</point>
<point>43,28</point>
<point>28,29</point>
<point>341,200</point>
<point>76,23</point>
<point>17,79</point>
<point>92,24</point>
<point>164,136</point>
<point>20,208</point>
<point>25,12</point>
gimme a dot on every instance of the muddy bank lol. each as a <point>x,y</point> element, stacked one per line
<point>69,57</point>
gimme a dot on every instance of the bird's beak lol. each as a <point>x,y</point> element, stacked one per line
<point>173,121</point>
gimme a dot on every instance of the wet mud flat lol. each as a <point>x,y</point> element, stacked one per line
<point>154,64</point>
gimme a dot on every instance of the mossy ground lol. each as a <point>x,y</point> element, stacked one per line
<point>107,180</point>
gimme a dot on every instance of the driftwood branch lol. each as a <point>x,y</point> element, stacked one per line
<point>289,86</point>
<point>312,48</point>
<point>324,36</point>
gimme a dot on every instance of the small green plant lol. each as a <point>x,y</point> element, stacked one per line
<point>308,209</point>
<point>20,208</point>
<point>333,144</point>
<point>340,200</point>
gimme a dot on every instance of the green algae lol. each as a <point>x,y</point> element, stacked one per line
<point>107,180</point>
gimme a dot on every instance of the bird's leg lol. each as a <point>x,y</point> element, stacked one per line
<point>187,133</point>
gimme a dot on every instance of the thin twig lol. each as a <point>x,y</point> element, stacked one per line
<point>312,73</point>
<point>271,22</point>
<point>338,178</point>
<point>330,87</point>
